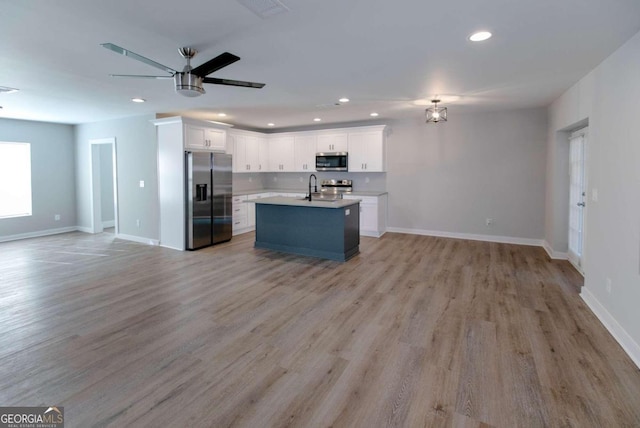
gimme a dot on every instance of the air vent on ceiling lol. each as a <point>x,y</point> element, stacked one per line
<point>264,8</point>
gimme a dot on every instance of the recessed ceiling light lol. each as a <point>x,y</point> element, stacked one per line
<point>271,124</point>
<point>222,114</point>
<point>480,36</point>
<point>317,119</point>
<point>7,90</point>
<point>138,100</point>
<point>374,114</point>
<point>344,100</point>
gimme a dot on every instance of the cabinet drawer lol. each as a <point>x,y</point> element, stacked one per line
<point>239,199</point>
<point>240,222</point>
<point>239,210</point>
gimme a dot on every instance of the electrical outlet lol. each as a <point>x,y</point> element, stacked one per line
<point>56,217</point>
<point>275,178</point>
<point>250,179</point>
<point>301,180</point>
<point>366,179</point>
<point>489,221</point>
<point>608,285</point>
<point>138,223</point>
<point>594,194</point>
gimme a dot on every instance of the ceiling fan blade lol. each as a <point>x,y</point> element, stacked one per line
<point>214,64</point>
<point>230,82</point>
<point>133,55</point>
<point>139,76</point>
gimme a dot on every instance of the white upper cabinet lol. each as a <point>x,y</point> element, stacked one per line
<point>296,151</point>
<point>257,154</point>
<point>250,151</point>
<point>204,138</point>
<point>281,153</point>
<point>263,154</point>
<point>332,142</point>
<point>305,152</point>
<point>367,150</point>
<point>240,161</point>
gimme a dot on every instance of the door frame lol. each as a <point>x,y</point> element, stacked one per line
<point>94,180</point>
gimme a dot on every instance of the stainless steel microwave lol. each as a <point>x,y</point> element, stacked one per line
<point>332,161</point>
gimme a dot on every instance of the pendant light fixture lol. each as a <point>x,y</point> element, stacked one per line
<point>436,114</point>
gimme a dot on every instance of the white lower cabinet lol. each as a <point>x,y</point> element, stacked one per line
<point>244,212</point>
<point>240,217</point>
<point>373,214</point>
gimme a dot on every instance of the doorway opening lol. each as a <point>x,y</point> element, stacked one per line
<point>104,186</point>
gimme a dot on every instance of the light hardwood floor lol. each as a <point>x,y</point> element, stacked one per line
<point>413,332</point>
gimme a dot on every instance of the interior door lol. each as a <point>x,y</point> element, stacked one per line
<point>577,192</point>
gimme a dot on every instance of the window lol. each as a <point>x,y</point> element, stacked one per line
<point>15,179</point>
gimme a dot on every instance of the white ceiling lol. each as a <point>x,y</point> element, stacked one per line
<point>380,54</point>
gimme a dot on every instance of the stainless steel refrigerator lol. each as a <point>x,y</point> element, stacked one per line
<point>208,198</point>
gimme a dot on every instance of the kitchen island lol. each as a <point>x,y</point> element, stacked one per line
<point>317,228</point>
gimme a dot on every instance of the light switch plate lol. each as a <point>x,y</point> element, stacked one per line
<point>347,212</point>
<point>594,194</point>
<point>141,183</point>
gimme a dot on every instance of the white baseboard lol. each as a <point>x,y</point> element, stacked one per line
<point>107,224</point>
<point>172,248</point>
<point>469,236</point>
<point>371,233</point>
<point>556,255</point>
<point>84,229</point>
<point>37,233</point>
<point>631,347</point>
<point>138,239</point>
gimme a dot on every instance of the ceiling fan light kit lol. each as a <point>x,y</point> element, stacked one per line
<point>436,114</point>
<point>189,85</point>
<point>188,82</point>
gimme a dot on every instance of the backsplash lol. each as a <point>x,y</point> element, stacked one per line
<point>374,181</point>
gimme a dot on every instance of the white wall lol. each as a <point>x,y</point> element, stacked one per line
<point>608,98</point>
<point>52,176</point>
<point>449,177</point>
<point>136,160</point>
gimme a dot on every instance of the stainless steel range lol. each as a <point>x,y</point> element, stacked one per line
<point>331,190</point>
<point>336,188</point>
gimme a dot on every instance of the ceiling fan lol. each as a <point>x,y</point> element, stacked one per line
<point>188,82</point>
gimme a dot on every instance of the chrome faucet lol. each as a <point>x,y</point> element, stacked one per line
<point>315,185</point>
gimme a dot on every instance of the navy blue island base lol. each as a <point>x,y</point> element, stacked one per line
<point>328,230</point>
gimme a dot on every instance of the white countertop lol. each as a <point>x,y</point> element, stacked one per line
<point>298,202</point>
<point>305,191</point>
